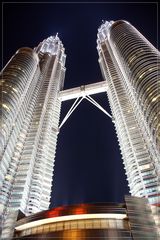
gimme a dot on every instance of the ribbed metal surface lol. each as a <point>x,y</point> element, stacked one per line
<point>15,83</point>
<point>31,82</point>
<point>129,65</point>
<point>139,61</point>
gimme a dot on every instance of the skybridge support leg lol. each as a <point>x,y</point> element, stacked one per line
<point>91,100</point>
<point>71,110</point>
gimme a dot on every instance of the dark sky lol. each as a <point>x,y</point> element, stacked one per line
<point>88,166</point>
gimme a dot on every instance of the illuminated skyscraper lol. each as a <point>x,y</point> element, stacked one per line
<point>30,117</point>
<point>32,84</point>
<point>129,64</point>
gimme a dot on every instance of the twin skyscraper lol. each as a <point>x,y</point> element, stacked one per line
<point>31,86</point>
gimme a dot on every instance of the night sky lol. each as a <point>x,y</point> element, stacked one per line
<point>88,164</point>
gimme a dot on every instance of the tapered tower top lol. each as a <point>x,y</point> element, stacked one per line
<point>104,29</point>
<point>50,45</point>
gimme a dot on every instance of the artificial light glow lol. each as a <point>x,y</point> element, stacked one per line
<point>132,128</point>
<point>142,75</point>
<point>5,106</point>
<point>147,166</point>
<point>8,177</point>
<point>132,58</point>
<point>15,90</point>
<point>71,217</point>
<point>154,99</point>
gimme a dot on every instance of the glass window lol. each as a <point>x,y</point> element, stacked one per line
<point>67,225</point>
<point>46,228</point>
<point>59,226</point>
<point>81,224</point>
<point>52,227</point>
<point>112,223</point>
<point>104,223</point>
<point>40,229</point>
<point>96,223</point>
<point>88,223</point>
<point>34,230</point>
<point>74,225</point>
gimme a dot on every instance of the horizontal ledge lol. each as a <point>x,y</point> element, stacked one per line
<point>71,217</point>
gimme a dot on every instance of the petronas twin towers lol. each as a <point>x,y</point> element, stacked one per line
<point>31,86</point>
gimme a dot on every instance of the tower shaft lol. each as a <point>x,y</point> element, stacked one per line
<point>30,85</point>
<point>129,65</point>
